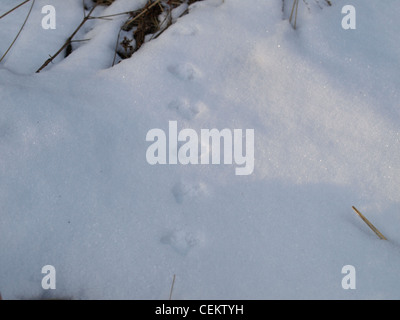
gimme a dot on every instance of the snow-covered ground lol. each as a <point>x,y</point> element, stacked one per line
<point>77,191</point>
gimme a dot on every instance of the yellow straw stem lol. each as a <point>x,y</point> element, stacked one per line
<point>380,235</point>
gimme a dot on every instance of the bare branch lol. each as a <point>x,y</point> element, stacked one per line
<point>86,18</point>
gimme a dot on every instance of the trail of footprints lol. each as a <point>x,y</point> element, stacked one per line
<point>183,239</point>
<point>185,107</point>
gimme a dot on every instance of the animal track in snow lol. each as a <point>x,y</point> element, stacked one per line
<point>181,241</point>
<point>184,71</point>
<point>5,131</point>
<point>181,191</point>
<point>186,109</point>
<point>184,30</point>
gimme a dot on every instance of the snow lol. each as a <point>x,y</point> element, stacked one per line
<point>76,191</point>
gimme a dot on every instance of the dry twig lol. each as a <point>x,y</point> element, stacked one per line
<point>380,235</point>
<point>295,6</point>
<point>68,42</point>
<point>130,22</point>
<point>16,7</point>
<point>20,30</point>
<point>172,288</point>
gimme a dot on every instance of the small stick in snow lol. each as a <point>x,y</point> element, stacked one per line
<point>20,30</point>
<point>172,288</point>
<point>295,5</point>
<point>68,42</point>
<point>380,235</point>
<point>9,11</point>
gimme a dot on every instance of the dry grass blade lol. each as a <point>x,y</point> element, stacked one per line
<point>9,11</point>
<point>103,2</point>
<point>19,32</point>
<point>68,42</point>
<point>143,11</point>
<point>380,235</point>
<point>147,24</point>
<point>127,26</point>
<point>294,10</point>
<point>172,288</point>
